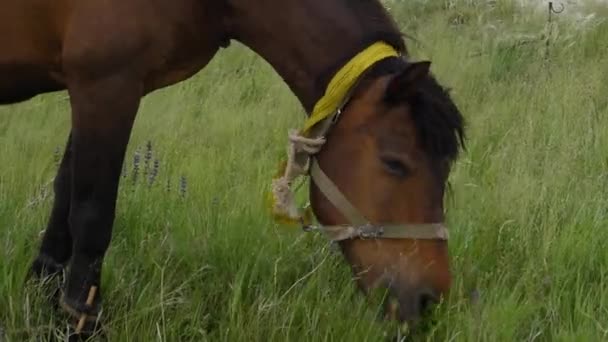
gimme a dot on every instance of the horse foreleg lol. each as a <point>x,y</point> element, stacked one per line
<point>103,111</point>
<point>56,247</point>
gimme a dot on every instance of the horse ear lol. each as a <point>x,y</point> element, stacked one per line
<point>403,86</point>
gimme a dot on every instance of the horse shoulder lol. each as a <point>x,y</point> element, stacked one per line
<point>159,41</point>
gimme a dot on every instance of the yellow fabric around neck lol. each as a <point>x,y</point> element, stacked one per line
<point>344,79</point>
<point>281,197</point>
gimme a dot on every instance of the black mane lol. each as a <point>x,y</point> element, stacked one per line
<point>377,24</point>
<point>438,121</point>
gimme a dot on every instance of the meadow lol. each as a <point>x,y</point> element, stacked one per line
<point>196,257</point>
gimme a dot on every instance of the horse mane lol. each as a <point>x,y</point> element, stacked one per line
<point>439,123</point>
<point>379,26</point>
<point>372,15</point>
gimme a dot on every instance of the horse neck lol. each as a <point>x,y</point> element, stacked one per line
<point>307,41</point>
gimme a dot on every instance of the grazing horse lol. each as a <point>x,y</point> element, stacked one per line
<point>386,158</point>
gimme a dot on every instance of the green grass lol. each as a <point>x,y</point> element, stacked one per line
<point>528,212</point>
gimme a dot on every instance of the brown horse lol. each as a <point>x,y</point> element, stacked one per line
<point>390,153</point>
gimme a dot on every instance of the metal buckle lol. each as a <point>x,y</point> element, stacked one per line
<point>369,231</point>
<point>336,116</point>
<point>308,228</point>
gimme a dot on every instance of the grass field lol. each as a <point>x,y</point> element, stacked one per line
<point>195,257</point>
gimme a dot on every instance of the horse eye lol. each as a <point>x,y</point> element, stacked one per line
<point>395,166</point>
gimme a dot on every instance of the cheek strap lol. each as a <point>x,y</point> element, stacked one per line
<point>359,226</point>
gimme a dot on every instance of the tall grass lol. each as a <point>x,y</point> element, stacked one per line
<point>195,257</point>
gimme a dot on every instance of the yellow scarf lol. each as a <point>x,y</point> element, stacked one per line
<point>335,94</point>
<point>345,78</point>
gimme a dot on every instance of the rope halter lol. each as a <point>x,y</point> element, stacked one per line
<point>301,161</point>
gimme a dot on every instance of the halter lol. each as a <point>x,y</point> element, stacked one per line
<point>301,161</point>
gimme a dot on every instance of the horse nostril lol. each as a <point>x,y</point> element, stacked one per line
<point>409,304</point>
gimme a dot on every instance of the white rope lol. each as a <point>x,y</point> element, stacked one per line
<point>299,150</point>
<point>299,144</point>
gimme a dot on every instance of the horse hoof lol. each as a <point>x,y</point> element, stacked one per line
<point>84,319</point>
<point>45,267</point>
<point>90,331</point>
<point>47,275</point>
